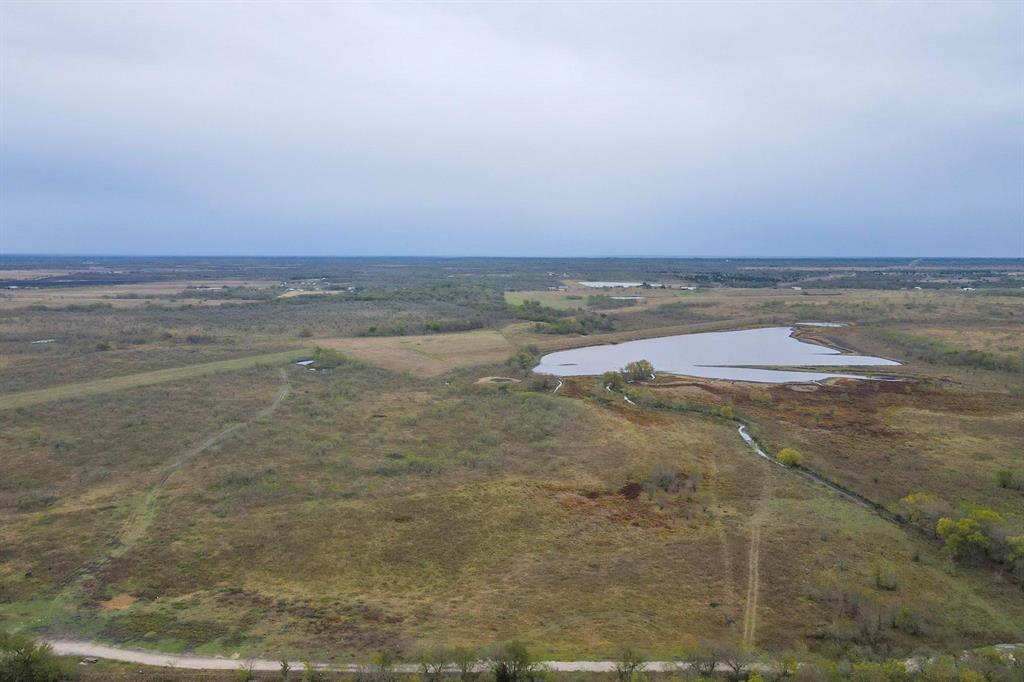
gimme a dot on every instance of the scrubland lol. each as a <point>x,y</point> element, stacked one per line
<point>174,481</point>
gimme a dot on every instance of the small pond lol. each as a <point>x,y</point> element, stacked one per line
<point>746,355</point>
<point>613,285</point>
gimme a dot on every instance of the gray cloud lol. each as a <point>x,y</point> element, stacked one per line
<point>515,129</point>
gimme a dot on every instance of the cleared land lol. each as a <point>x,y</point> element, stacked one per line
<point>426,355</point>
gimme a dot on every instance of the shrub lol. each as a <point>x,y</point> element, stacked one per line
<point>969,537</point>
<point>923,510</point>
<point>885,578</point>
<point>726,411</point>
<point>524,360</point>
<point>628,664</point>
<point>1009,479</point>
<point>24,660</point>
<point>433,661</point>
<point>664,477</point>
<point>512,663</point>
<point>613,380</point>
<point>790,457</point>
<point>465,660</point>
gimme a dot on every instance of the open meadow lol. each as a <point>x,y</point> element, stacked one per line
<point>175,481</point>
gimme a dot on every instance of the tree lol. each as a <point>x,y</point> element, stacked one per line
<point>512,663</point>
<point>525,359</point>
<point>465,660</point>
<point>664,477</point>
<point>383,669</point>
<point>637,370</point>
<point>737,659</point>
<point>613,380</point>
<point>923,510</point>
<point>24,660</point>
<point>965,538</point>
<point>629,663</point>
<point>434,661</point>
<point>705,659</point>
<point>790,457</point>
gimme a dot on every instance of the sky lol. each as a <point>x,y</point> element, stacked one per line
<point>512,129</point>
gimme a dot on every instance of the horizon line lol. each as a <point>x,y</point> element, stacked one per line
<point>520,257</point>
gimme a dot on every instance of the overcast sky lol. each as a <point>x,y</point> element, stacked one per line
<point>735,129</point>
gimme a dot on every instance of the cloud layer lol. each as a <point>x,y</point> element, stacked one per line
<point>513,129</point>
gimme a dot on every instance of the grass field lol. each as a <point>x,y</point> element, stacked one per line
<point>160,376</point>
<point>167,492</point>
<point>426,355</point>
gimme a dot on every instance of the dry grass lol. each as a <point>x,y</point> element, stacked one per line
<point>121,383</point>
<point>380,508</point>
<point>426,355</point>
<point>115,294</point>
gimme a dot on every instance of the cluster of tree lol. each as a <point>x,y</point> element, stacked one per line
<point>327,358</point>
<point>586,323</point>
<point>555,321</point>
<point>455,292</point>
<point>230,293</point>
<point>24,660</point>
<point>970,535</point>
<point>526,359</point>
<point>638,370</point>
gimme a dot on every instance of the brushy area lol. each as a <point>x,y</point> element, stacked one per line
<point>391,503</point>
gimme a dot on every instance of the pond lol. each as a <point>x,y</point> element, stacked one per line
<point>617,285</point>
<point>746,355</point>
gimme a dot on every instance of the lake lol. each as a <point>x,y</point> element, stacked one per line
<point>745,355</point>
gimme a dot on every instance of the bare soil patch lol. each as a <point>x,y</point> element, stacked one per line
<point>121,601</point>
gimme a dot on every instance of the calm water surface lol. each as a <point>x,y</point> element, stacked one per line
<point>737,356</point>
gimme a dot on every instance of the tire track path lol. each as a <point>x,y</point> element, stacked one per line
<point>141,517</point>
<point>754,564</point>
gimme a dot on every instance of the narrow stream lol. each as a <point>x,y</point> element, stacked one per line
<point>810,475</point>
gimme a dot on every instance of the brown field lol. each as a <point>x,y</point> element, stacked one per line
<point>118,295</point>
<point>170,492</point>
<point>426,355</point>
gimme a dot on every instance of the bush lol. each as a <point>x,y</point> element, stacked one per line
<point>512,663</point>
<point>969,537</point>
<point>664,477</point>
<point>613,380</point>
<point>790,457</point>
<point>629,663</point>
<point>1009,479</point>
<point>923,510</point>
<point>524,360</point>
<point>24,660</point>
<point>885,578</point>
